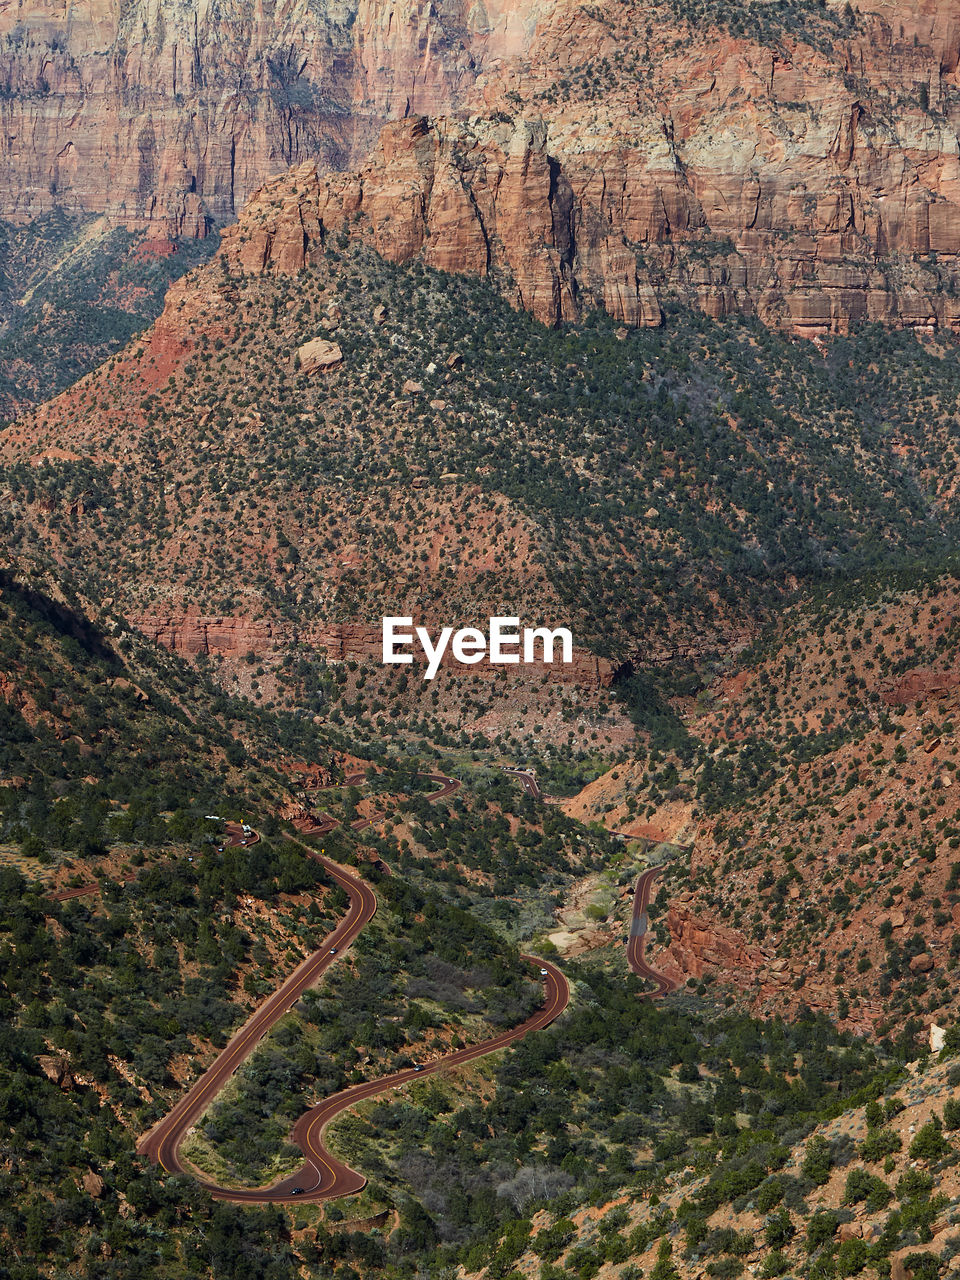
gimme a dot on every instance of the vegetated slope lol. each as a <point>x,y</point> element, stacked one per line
<point>815,783</point>
<point>423,979</point>
<point>659,491</point>
<point>872,1190</point>
<point>117,993</point>
<point>115,1000</point>
<point>794,160</point>
<point>129,993</point>
<point>607,1105</point>
<point>106,739</point>
<point>72,291</point>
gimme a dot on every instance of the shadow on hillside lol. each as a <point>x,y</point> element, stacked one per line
<point>34,607</point>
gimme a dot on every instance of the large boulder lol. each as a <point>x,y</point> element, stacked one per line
<point>319,353</point>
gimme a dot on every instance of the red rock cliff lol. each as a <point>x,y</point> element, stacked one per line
<point>570,231</point>
<point>177,112</point>
<point>189,634</point>
<point>800,165</point>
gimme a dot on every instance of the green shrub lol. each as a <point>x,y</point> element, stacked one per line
<point>879,1143</point>
<point>779,1229</point>
<point>769,1195</point>
<point>725,1268</point>
<point>922,1266</point>
<point>929,1142</point>
<point>818,1161</point>
<point>862,1185</point>
<point>774,1264</point>
<point>821,1228</point>
<point>852,1257</point>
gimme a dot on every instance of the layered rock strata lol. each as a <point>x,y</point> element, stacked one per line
<point>801,164</point>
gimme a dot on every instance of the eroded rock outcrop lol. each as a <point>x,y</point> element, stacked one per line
<point>808,245</point>
<point>917,686</point>
<point>482,199</point>
<point>698,945</point>
<point>190,634</point>
<point>174,113</point>
<point>806,172</point>
<point>319,355</point>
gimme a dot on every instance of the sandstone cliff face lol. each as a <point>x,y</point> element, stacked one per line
<point>176,113</point>
<point>481,199</point>
<point>616,155</point>
<point>189,634</point>
<point>567,233</point>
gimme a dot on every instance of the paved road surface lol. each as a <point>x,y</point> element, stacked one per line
<point>528,780</point>
<point>639,928</point>
<point>322,1176</point>
<point>162,1142</point>
<point>325,822</point>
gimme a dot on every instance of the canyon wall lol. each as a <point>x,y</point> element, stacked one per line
<point>189,634</point>
<point>799,164</point>
<point>172,114</point>
<point>563,233</point>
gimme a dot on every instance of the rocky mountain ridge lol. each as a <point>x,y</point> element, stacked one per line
<point>796,162</point>
<point>651,488</point>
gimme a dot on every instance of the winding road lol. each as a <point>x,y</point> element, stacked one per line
<point>528,780</point>
<point>447,787</point>
<point>639,928</point>
<point>640,920</point>
<point>322,1176</point>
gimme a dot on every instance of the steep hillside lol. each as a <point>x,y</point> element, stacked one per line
<point>815,788</point>
<point>73,290</point>
<point>107,742</point>
<point>623,1126</point>
<point>659,491</point>
<point>130,993</point>
<point>872,1190</point>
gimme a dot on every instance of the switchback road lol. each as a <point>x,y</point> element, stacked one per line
<point>324,823</point>
<point>162,1143</point>
<point>640,923</point>
<point>322,1176</point>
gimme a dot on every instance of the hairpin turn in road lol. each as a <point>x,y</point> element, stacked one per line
<point>322,1176</point>
<point>639,928</point>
